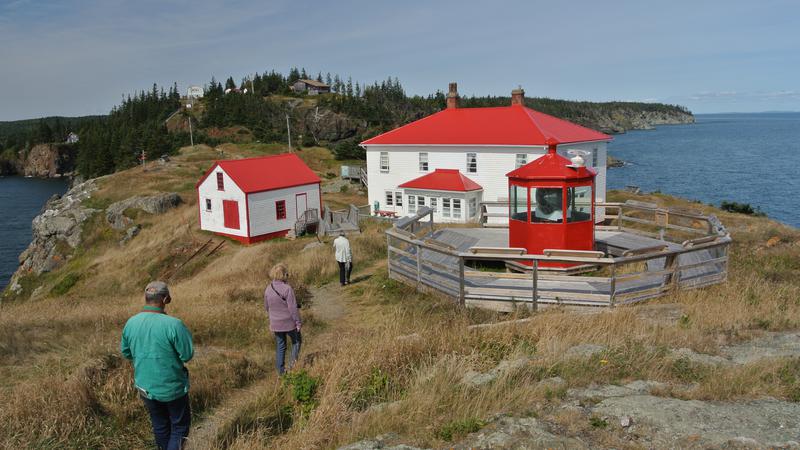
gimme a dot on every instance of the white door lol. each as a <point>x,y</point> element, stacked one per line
<point>301,201</point>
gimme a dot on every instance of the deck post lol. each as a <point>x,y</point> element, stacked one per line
<point>462,300</point>
<point>388,255</point>
<point>612,288</point>
<point>535,277</point>
<point>673,278</point>
<point>419,266</point>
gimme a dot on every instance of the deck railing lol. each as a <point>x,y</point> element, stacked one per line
<point>697,257</point>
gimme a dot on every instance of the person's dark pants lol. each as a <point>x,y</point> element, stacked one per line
<point>171,421</point>
<point>345,269</point>
<point>280,356</point>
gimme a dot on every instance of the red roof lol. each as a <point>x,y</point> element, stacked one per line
<point>551,166</point>
<point>266,173</point>
<point>505,125</point>
<point>443,180</point>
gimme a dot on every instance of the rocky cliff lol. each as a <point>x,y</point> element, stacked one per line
<point>622,120</point>
<point>43,160</point>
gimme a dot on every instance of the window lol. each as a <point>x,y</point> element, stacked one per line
<point>522,159</point>
<point>420,201</point>
<point>473,207</point>
<point>389,195</point>
<point>546,206</point>
<point>220,182</point>
<point>518,203</point>
<point>412,204</point>
<point>472,163</point>
<point>398,199</point>
<point>456,208</point>
<point>434,202</point>
<point>445,207</point>
<point>280,209</point>
<point>423,162</point>
<point>385,162</point>
<point>208,204</point>
<point>579,204</point>
<point>594,157</point>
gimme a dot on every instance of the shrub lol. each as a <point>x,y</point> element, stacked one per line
<point>458,428</point>
<point>304,391</point>
<point>741,208</point>
<point>376,390</point>
<point>65,284</point>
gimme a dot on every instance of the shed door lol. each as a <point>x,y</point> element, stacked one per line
<point>301,203</point>
<point>230,209</point>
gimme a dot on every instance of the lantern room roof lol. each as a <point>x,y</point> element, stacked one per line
<point>443,180</point>
<point>515,125</point>
<point>552,166</point>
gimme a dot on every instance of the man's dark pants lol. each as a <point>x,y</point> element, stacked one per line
<point>345,269</point>
<point>171,421</point>
<point>280,354</point>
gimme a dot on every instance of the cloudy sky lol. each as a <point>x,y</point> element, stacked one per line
<point>76,57</point>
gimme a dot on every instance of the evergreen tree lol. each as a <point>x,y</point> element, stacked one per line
<point>230,84</point>
<point>328,79</point>
<point>319,77</point>
<point>303,74</point>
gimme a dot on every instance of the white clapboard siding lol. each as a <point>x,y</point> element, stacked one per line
<point>263,215</point>
<point>214,220</point>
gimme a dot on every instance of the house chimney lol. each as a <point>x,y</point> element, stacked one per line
<point>518,96</point>
<point>452,96</point>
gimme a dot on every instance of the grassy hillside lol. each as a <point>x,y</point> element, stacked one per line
<point>378,357</point>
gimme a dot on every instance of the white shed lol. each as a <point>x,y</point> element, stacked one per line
<point>254,199</point>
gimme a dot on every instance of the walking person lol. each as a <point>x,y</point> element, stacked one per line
<point>284,316</point>
<point>344,257</point>
<point>159,345</point>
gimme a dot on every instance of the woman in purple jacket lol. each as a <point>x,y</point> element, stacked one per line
<point>284,317</point>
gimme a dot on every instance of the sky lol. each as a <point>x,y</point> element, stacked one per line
<point>79,57</point>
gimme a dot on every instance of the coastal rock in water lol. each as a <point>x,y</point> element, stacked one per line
<point>154,204</point>
<point>56,231</point>
<point>49,161</point>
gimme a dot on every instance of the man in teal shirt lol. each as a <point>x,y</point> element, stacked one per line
<point>159,345</point>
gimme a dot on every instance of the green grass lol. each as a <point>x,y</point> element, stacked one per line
<point>65,284</point>
<point>459,428</point>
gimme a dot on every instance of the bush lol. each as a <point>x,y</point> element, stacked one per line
<point>65,284</point>
<point>459,428</point>
<point>741,208</point>
<point>349,150</point>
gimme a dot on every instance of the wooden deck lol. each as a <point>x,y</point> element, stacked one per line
<point>636,267</point>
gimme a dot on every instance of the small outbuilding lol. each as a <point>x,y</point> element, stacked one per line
<point>310,87</point>
<point>254,199</point>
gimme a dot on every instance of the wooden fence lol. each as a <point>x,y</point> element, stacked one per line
<point>694,254</point>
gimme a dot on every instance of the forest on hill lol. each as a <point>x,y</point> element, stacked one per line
<point>157,121</point>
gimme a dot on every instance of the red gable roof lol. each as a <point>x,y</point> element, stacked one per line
<point>266,173</point>
<point>443,180</point>
<point>504,125</point>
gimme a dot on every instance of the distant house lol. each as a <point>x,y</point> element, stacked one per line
<point>254,199</point>
<point>310,87</point>
<point>72,138</point>
<point>194,92</point>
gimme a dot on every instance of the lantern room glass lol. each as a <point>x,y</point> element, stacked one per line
<point>546,205</point>
<point>518,196</point>
<point>579,207</point>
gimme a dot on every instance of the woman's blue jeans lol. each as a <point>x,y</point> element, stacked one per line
<point>280,356</point>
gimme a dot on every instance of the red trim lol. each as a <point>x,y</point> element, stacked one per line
<point>247,211</point>
<point>280,204</point>
<point>252,240</point>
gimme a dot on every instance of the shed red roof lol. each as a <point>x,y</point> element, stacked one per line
<point>266,173</point>
<point>443,180</point>
<point>551,166</point>
<point>504,125</point>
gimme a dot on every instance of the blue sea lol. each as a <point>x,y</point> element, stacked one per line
<point>747,158</point>
<point>21,199</point>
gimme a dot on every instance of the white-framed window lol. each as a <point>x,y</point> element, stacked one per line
<point>522,159</point>
<point>385,162</point>
<point>412,204</point>
<point>423,162</point>
<point>473,207</point>
<point>420,201</point>
<point>389,198</point>
<point>398,198</point>
<point>208,204</point>
<point>456,208</point>
<point>472,163</point>
<point>445,207</point>
<point>434,202</point>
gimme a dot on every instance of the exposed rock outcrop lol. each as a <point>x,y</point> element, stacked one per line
<point>154,204</point>
<point>43,161</point>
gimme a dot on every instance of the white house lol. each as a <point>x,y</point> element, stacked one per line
<point>257,198</point>
<point>483,144</point>
<point>194,92</point>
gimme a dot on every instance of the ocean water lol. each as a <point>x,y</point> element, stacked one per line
<point>21,199</point>
<point>748,158</point>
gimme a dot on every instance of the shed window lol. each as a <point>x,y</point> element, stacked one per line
<point>280,209</point>
<point>220,182</point>
<point>385,162</point>
<point>579,207</point>
<point>456,208</point>
<point>423,162</point>
<point>445,207</point>
<point>472,163</point>
<point>473,207</point>
<point>412,204</point>
<point>420,201</point>
<point>389,199</point>
<point>522,159</point>
<point>433,202</point>
<point>208,204</point>
<point>398,198</point>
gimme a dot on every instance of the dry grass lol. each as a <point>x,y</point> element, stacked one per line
<point>394,364</point>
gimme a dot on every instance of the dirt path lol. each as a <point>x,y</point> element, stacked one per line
<point>328,305</point>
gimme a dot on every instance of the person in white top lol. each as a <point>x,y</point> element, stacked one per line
<point>344,257</point>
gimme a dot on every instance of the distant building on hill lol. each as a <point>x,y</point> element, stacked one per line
<point>310,87</point>
<point>254,199</point>
<point>72,138</point>
<point>194,92</point>
<point>455,159</point>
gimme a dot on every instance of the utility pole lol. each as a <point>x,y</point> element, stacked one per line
<point>252,89</point>
<point>144,159</point>
<point>289,132</point>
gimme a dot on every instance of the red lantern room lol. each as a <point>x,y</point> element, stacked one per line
<point>551,204</point>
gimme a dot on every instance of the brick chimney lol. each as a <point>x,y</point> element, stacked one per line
<point>518,96</point>
<point>452,96</point>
